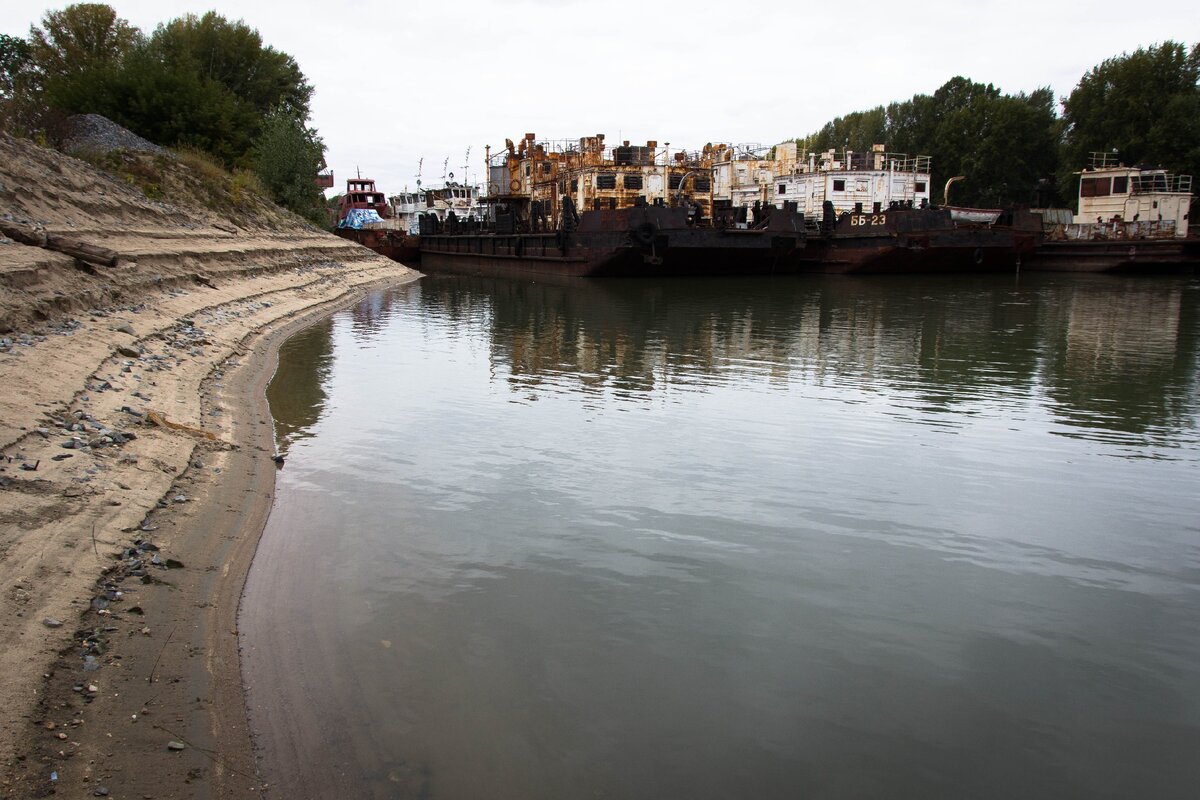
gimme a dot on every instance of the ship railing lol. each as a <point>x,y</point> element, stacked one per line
<point>1117,230</point>
<point>1160,182</point>
<point>1103,160</point>
<point>902,162</point>
<point>866,161</point>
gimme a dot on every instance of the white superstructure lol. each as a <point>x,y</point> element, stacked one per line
<point>865,182</point>
<point>1154,199</point>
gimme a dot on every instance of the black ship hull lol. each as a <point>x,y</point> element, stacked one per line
<point>658,241</point>
<point>647,241</point>
<point>1118,255</point>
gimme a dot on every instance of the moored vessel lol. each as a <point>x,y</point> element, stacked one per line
<point>872,212</point>
<point>365,216</point>
<point>1130,219</point>
<point>579,207</point>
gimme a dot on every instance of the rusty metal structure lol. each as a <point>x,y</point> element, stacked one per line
<point>581,207</point>
<point>537,175</point>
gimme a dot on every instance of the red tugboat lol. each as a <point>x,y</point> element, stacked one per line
<point>365,216</point>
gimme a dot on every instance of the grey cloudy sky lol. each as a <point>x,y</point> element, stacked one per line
<point>399,81</point>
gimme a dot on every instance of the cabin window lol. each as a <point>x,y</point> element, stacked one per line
<point>546,168</point>
<point>1121,185</point>
<point>839,185</point>
<point>1095,187</point>
<point>703,184</point>
<point>526,170</point>
<point>919,186</point>
<point>606,180</point>
<point>674,181</point>
<point>562,187</point>
<point>631,181</point>
<point>783,188</point>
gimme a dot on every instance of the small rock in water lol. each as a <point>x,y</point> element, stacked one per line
<point>174,745</point>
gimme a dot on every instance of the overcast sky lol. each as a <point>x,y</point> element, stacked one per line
<point>399,81</point>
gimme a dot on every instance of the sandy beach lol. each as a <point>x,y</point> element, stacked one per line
<point>137,471</point>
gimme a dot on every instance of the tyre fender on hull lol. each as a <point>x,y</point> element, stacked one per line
<point>644,234</point>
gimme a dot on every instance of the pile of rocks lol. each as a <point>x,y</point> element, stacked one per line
<point>94,133</point>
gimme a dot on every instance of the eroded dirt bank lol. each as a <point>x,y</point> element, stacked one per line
<point>137,471</point>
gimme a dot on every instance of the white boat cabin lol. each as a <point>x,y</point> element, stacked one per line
<point>1110,192</point>
<point>745,174</point>
<point>406,208</point>
<point>871,181</point>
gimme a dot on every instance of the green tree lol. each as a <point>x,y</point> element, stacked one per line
<point>856,131</point>
<point>232,55</point>
<point>77,42</point>
<point>287,158</point>
<point>18,98</point>
<point>174,105</point>
<point>1145,105</point>
<point>15,63</point>
<point>200,81</point>
<point>1002,144</point>
<point>211,83</point>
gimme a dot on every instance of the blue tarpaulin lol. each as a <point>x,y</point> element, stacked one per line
<point>358,217</point>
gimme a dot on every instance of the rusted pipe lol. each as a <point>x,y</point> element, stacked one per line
<point>946,191</point>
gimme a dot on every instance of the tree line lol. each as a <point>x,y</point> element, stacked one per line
<point>1017,149</point>
<point>212,84</point>
<point>197,81</point>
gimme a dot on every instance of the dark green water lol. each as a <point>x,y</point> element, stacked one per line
<point>806,538</point>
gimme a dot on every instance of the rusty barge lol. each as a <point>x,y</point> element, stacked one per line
<point>579,207</point>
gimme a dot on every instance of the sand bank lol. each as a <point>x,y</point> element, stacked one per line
<point>137,474</point>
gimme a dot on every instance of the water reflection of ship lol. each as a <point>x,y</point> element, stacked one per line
<point>369,314</point>
<point>1124,359</point>
<point>946,341</point>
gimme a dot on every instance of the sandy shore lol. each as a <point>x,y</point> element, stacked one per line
<point>137,475</point>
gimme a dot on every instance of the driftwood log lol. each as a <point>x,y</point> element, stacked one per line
<point>89,253</point>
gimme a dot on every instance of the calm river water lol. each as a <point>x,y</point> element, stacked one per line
<point>807,538</point>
